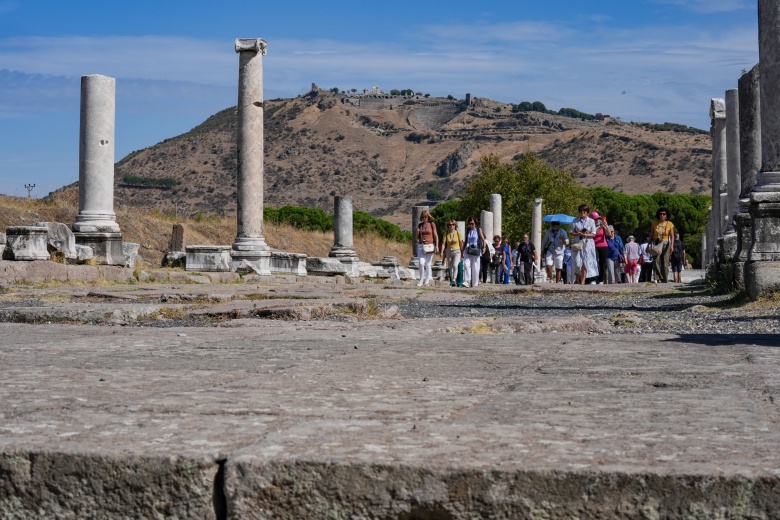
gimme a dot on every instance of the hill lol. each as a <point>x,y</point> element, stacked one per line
<point>391,152</point>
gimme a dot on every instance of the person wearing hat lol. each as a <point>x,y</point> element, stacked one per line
<point>553,245</point>
<point>662,231</point>
<point>632,259</point>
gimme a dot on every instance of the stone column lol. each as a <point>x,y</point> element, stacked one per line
<point>416,212</point>
<point>704,251</point>
<point>486,223</point>
<point>750,164</point>
<point>495,208</point>
<point>733,157</point>
<point>95,225</point>
<point>536,230</point>
<point>250,243</point>
<point>719,167</point>
<point>762,274</point>
<point>343,246</point>
<point>462,228</point>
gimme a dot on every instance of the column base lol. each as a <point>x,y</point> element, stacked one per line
<point>212,259</point>
<point>762,279</point>
<point>250,244</point>
<point>765,214</point>
<point>743,224</point>
<point>260,259</point>
<point>106,247</point>
<point>96,223</point>
<point>729,247</point>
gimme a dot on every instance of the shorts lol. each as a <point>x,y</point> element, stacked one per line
<point>677,267</point>
<point>554,259</point>
<point>631,267</point>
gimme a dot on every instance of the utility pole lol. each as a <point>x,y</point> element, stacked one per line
<point>29,189</point>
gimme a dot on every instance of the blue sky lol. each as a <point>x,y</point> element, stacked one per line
<point>641,60</point>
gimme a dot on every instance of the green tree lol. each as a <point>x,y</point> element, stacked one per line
<point>519,183</point>
<point>335,90</point>
<point>538,106</point>
<point>395,92</point>
<point>444,212</point>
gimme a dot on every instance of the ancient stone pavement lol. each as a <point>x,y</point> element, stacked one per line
<point>213,409</point>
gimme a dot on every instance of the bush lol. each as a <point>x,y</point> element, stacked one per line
<point>313,219</point>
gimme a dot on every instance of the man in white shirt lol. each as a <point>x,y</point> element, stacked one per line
<point>553,245</point>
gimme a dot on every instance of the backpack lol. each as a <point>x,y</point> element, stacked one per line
<point>677,252</point>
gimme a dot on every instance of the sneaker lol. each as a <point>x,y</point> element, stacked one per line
<point>465,284</point>
<point>428,283</point>
<point>420,283</point>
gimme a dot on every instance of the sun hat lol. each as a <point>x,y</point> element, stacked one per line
<point>595,215</point>
<point>630,238</point>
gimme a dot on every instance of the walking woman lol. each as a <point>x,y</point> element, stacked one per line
<point>473,248</point>
<point>583,249</point>
<point>451,246</point>
<point>427,246</point>
<point>662,231</point>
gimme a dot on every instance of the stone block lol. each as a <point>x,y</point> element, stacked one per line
<point>318,266</point>
<point>130,252</point>
<point>175,259</point>
<point>762,279</point>
<point>260,259</point>
<point>288,263</point>
<point>208,258</point>
<point>60,238</point>
<point>106,247</point>
<point>83,253</point>
<point>83,273</point>
<point>26,243</point>
<point>2,239</point>
<point>178,244</point>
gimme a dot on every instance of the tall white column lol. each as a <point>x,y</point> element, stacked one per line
<point>249,237</point>
<point>495,208</point>
<point>733,157</point>
<point>343,241</point>
<point>719,167</point>
<point>416,212</point>
<point>96,156</point>
<point>486,223</point>
<point>536,229</point>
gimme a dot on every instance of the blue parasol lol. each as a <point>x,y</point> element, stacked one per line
<point>559,217</point>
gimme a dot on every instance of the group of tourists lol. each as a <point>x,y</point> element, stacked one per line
<point>592,252</point>
<point>599,254</point>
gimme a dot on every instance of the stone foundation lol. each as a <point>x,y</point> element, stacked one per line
<point>106,247</point>
<point>208,258</point>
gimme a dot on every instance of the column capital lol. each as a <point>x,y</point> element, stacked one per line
<point>251,45</point>
<point>717,108</point>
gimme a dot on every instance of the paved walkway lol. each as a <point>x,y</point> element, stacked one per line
<point>362,417</point>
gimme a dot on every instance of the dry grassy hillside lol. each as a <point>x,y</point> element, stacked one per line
<point>388,159</point>
<point>152,229</point>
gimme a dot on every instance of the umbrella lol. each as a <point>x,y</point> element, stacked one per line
<point>559,217</point>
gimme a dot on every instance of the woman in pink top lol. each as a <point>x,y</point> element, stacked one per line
<point>602,249</point>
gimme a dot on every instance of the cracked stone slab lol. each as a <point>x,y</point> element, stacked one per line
<point>385,419</point>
